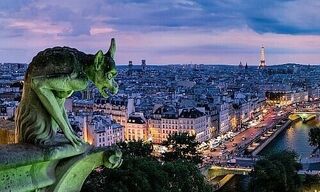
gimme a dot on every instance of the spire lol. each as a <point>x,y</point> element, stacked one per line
<point>240,65</point>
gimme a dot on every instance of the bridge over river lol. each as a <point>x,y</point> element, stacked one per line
<point>303,115</point>
<point>244,165</point>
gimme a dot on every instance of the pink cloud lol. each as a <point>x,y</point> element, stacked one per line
<point>100,30</point>
<point>38,26</point>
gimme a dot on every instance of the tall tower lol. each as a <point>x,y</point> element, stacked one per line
<point>143,63</point>
<point>130,68</point>
<point>262,58</point>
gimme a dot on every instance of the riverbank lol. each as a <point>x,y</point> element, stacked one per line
<point>278,128</point>
<point>295,137</point>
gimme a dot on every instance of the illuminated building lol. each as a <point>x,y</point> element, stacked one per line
<point>167,119</point>
<point>102,131</point>
<point>119,108</point>
<point>136,127</point>
<point>7,135</point>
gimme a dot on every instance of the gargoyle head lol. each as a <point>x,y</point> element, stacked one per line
<point>105,71</point>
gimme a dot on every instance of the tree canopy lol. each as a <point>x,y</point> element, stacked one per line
<point>182,146</point>
<point>276,172</point>
<point>135,148</point>
<point>314,137</point>
<point>140,172</point>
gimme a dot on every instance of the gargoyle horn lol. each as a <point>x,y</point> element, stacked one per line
<point>112,48</point>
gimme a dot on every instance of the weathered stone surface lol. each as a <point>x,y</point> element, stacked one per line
<point>24,154</point>
<point>58,167</point>
<point>52,76</point>
<point>41,160</point>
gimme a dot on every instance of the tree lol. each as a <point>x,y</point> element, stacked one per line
<point>140,172</point>
<point>182,146</point>
<point>314,138</point>
<point>276,172</point>
<point>185,177</point>
<point>136,174</point>
<point>310,181</point>
<point>136,148</point>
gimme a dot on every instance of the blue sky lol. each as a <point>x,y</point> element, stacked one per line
<point>165,31</point>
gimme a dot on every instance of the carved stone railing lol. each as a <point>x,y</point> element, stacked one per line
<point>59,167</point>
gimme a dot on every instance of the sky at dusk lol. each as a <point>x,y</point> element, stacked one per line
<point>165,31</point>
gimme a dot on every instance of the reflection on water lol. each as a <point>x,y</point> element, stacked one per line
<point>294,138</point>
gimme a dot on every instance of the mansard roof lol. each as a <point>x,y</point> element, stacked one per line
<point>191,113</point>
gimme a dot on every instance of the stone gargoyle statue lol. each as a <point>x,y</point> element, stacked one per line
<point>52,76</point>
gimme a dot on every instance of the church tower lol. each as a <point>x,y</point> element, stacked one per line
<point>129,72</point>
<point>143,64</point>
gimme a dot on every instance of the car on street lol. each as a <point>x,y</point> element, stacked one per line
<point>234,144</point>
<point>223,147</point>
<point>243,138</point>
<point>213,149</point>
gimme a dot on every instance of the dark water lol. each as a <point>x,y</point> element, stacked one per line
<point>294,138</point>
<point>238,183</point>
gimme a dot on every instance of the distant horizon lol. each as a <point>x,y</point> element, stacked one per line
<point>235,65</point>
<point>177,31</point>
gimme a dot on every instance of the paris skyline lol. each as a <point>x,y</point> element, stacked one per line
<point>165,32</point>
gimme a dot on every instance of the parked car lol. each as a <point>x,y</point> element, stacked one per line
<point>213,149</point>
<point>223,147</point>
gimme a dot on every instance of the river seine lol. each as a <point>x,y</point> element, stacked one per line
<point>294,138</point>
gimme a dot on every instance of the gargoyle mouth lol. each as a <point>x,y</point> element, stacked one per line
<point>105,92</point>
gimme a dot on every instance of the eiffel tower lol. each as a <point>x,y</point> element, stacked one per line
<point>262,58</point>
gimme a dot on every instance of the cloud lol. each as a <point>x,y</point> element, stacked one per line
<point>37,27</point>
<point>222,31</point>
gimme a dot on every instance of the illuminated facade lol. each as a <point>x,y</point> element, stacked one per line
<point>7,135</point>
<point>101,131</point>
<point>286,97</point>
<point>118,108</point>
<point>168,120</point>
<point>136,127</point>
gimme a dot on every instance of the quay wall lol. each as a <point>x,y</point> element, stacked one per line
<point>269,139</point>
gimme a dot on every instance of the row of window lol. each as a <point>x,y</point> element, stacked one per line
<point>132,137</point>
<point>181,126</point>
<point>138,131</point>
<point>172,121</point>
<point>102,139</point>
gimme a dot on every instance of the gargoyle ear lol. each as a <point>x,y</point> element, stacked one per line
<point>112,48</point>
<point>98,60</point>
